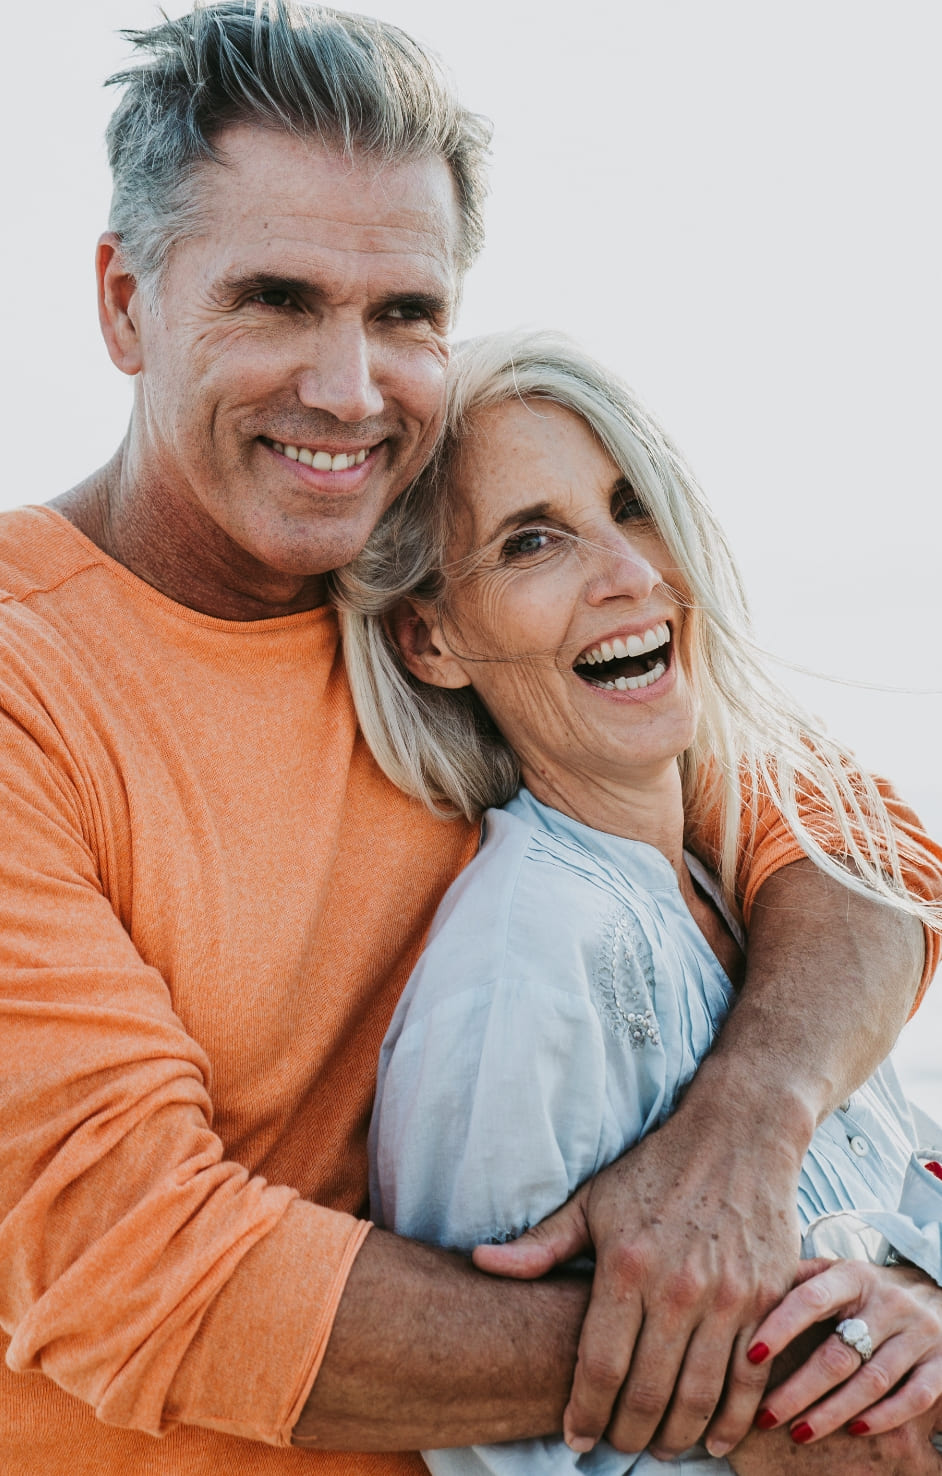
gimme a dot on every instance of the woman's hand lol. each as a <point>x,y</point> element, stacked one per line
<point>902,1308</point>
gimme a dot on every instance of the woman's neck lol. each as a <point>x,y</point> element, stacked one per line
<point>645,806</point>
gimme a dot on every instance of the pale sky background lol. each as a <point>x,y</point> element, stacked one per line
<point>735,204</point>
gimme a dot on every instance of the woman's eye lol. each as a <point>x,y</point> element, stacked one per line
<point>526,541</point>
<point>630,509</point>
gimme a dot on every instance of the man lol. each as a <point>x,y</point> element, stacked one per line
<point>211,898</point>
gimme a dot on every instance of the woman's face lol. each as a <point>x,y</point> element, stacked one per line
<point>566,621</point>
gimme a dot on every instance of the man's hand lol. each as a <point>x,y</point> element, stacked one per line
<point>694,1241</point>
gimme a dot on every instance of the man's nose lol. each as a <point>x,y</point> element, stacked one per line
<point>618,568</point>
<point>339,375</point>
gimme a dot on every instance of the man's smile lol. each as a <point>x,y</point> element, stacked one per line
<point>321,459</point>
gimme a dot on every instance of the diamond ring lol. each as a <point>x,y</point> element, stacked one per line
<point>856,1334</point>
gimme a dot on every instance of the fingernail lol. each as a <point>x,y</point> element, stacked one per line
<point>580,1443</point>
<point>765,1420</point>
<point>758,1353</point>
<point>801,1433</point>
<point>718,1448</point>
<point>858,1427</point>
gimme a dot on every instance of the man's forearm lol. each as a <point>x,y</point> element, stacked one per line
<point>830,979</point>
<point>427,1352</point>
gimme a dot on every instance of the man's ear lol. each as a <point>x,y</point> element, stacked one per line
<point>416,631</point>
<point>118,302</point>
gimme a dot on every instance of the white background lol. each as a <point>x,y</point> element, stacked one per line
<point>737,205</point>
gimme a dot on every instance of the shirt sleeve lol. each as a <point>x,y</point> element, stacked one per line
<point>488,1110</point>
<point>488,1115</point>
<point>768,844</point>
<point>139,1269</point>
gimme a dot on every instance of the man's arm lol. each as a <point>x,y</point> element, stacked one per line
<point>695,1230</point>
<point>428,1352</point>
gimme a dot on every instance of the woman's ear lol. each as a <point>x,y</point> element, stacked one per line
<point>415,629</point>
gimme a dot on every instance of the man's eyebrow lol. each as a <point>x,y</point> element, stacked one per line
<point>240,284</point>
<point>435,304</point>
<point>236,284</point>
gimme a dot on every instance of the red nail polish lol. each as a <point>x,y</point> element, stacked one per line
<point>802,1433</point>
<point>765,1420</point>
<point>934,1168</point>
<point>758,1353</point>
<point>858,1427</point>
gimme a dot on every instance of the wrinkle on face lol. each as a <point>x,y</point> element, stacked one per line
<point>359,327</point>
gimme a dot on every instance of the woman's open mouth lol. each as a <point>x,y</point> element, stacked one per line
<point>627,663</point>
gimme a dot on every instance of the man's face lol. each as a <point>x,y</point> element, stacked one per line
<point>292,364</point>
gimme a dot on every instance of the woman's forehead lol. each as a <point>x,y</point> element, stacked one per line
<point>526,451</point>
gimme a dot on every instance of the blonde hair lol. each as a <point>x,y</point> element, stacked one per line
<point>753,741</point>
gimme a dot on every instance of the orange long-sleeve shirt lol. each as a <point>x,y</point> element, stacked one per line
<point>210,899</point>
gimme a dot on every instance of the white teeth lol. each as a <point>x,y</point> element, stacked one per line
<point>633,645</point>
<point>635,683</point>
<point>322,460</point>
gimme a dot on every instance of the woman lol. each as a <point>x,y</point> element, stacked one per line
<point>574,648</point>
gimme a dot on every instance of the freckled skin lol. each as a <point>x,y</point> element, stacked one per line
<point>514,628</point>
<point>312,309</point>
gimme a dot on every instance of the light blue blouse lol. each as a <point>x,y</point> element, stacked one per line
<point>563,1001</point>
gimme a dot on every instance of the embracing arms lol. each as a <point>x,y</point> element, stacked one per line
<point>724,1152</point>
<point>120,1113</point>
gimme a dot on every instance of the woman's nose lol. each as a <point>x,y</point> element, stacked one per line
<point>618,568</point>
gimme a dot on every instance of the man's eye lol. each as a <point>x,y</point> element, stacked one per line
<point>407,312</point>
<point>527,541</point>
<point>274,297</point>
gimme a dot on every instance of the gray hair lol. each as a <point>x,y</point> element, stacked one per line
<point>753,743</point>
<point>350,81</point>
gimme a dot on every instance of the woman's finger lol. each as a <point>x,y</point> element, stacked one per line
<point>865,1403</point>
<point>837,1289</point>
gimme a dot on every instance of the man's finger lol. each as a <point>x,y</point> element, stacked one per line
<point>699,1389</point>
<point>745,1387</point>
<point>655,1369</point>
<point>606,1345</point>
<point>561,1237</point>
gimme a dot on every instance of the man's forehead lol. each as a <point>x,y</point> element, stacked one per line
<point>271,187</point>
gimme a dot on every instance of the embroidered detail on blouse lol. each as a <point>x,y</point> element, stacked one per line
<point>624,980</point>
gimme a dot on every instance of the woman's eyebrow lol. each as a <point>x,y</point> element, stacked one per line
<point>521,515</point>
<point>621,487</point>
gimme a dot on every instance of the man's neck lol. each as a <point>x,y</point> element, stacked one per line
<point>152,539</point>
